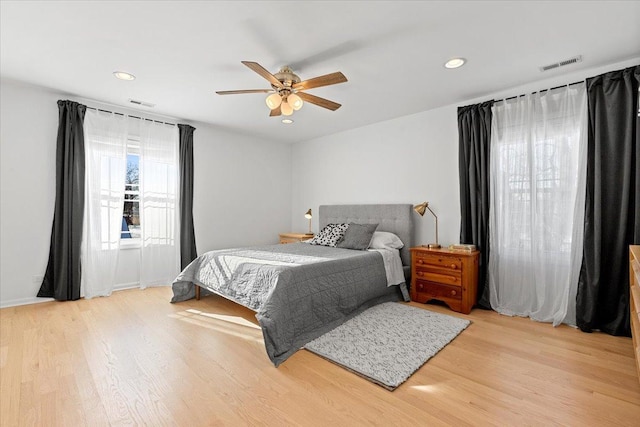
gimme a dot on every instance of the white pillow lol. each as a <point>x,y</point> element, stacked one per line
<point>385,240</point>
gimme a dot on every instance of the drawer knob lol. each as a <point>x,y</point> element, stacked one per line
<point>420,286</point>
<point>453,293</point>
<point>420,261</point>
<point>453,266</point>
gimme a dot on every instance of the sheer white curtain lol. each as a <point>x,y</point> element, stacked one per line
<point>538,172</point>
<point>159,209</point>
<point>105,166</point>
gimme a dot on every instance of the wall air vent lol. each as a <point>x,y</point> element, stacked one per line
<point>142,103</point>
<point>562,63</point>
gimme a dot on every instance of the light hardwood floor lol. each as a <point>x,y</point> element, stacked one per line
<point>135,359</point>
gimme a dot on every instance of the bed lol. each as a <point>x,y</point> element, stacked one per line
<point>300,291</point>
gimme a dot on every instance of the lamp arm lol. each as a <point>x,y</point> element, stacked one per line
<point>436,217</point>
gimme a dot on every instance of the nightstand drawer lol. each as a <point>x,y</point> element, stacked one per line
<point>451,263</point>
<point>442,276</point>
<point>438,290</point>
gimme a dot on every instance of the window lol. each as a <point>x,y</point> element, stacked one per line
<point>124,192</point>
<point>543,169</point>
<point>131,212</point>
<point>538,172</point>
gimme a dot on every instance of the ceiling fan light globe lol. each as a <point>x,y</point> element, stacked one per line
<point>286,109</point>
<point>295,101</point>
<point>273,101</point>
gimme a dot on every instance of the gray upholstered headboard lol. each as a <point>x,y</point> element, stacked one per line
<point>396,219</point>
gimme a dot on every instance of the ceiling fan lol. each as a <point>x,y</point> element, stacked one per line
<point>287,89</point>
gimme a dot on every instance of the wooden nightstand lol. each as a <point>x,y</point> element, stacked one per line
<point>446,275</point>
<point>294,237</point>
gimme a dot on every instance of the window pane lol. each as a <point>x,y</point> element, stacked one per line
<point>133,175</point>
<point>131,213</point>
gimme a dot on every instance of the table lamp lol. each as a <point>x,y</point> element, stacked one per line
<point>309,216</point>
<point>420,210</point>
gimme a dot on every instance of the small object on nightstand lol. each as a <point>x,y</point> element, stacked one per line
<point>462,247</point>
<point>294,237</point>
<point>446,275</point>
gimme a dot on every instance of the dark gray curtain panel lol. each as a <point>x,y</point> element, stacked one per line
<point>612,209</point>
<point>62,277</point>
<point>474,135</point>
<point>187,235</point>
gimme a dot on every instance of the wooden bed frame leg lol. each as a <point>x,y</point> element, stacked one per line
<point>197,292</point>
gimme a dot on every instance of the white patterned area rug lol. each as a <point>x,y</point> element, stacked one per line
<point>387,343</point>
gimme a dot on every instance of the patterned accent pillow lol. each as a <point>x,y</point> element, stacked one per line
<point>330,235</point>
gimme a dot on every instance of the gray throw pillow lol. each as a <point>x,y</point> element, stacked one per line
<point>357,236</point>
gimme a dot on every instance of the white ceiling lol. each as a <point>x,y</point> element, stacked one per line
<point>391,52</point>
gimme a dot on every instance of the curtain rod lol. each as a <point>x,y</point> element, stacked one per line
<point>539,91</point>
<point>133,117</point>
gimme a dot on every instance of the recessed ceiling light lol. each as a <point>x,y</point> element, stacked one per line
<point>287,121</point>
<point>123,75</point>
<point>455,63</point>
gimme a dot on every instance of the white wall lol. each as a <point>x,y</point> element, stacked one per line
<point>27,187</point>
<point>410,159</point>
<point>233,174</point>
<point>242,189</point>
<point>407,160</point>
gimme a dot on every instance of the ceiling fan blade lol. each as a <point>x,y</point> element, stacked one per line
<point>263,72</point>
<point>326,80</point>
<point>321,102</point>
<point>235,92</point>
<point>275,112</point>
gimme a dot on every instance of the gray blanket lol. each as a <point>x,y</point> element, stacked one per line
<point>299,291</point>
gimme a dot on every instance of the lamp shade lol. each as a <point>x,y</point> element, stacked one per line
<point>421,208</point>
<point>273,101</point>
<point>295,101</point>
<point>286,109</point>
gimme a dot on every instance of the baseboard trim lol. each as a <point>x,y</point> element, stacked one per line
<point>36,300</point>
<point>123,286</point>
<point>23,301</point>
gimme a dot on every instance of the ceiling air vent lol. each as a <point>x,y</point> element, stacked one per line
<point>142,103</point>
<point>562,63</point>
